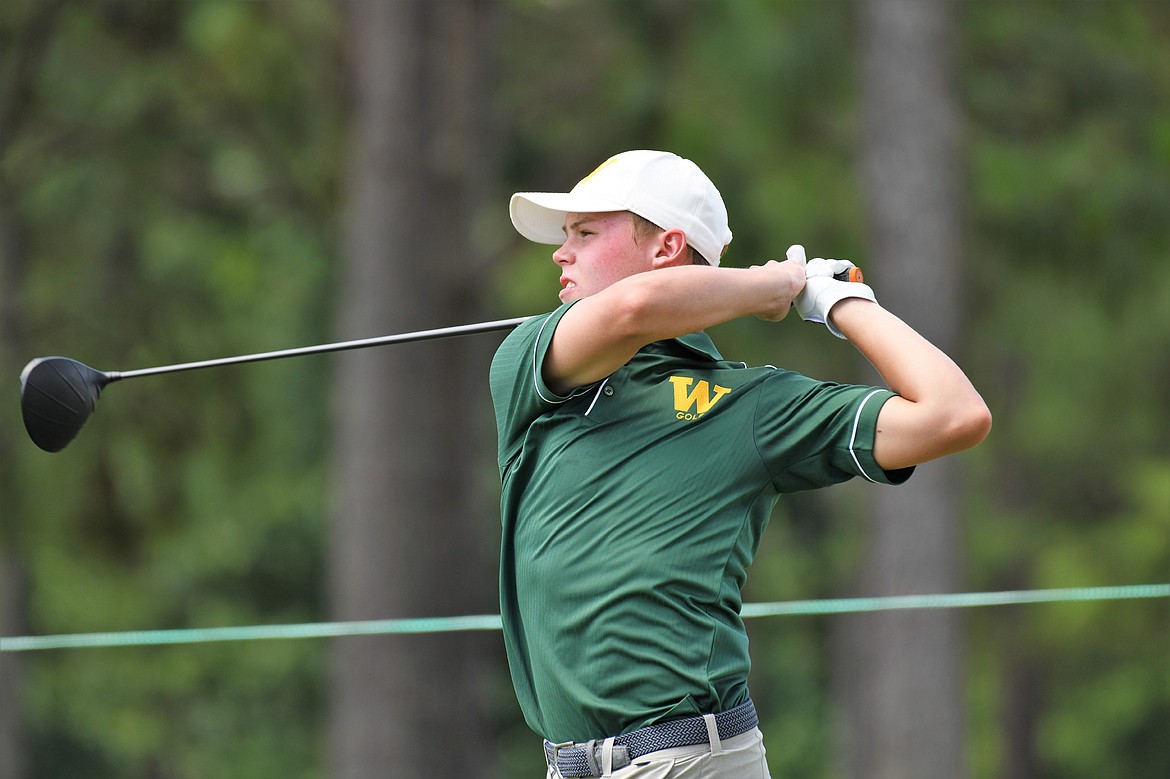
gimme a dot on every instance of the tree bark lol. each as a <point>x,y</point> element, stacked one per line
<point>900,674</point>
<point>407,443</point>
<point>13,622</point>
<point>21,66</point>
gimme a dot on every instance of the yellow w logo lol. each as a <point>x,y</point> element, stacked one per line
<point>700,398</point>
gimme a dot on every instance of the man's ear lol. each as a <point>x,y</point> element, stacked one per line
<point>671,249</point>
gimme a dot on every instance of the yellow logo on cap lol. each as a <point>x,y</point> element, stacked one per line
<point>599,168</point>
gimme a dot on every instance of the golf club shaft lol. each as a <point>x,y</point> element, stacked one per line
<point>853,274</point>
<point>363,343</point>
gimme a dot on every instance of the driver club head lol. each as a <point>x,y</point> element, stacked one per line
<point>57,395</point>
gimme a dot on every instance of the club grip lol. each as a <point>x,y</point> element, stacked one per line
<point>853,274</point>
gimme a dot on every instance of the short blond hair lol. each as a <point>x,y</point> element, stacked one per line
<point>644,228</point>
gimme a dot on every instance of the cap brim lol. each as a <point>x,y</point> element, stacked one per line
<point>540,216</point>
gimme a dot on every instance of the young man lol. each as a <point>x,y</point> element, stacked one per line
<point>639,468</point>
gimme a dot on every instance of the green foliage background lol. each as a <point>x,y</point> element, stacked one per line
<point>169,179</point>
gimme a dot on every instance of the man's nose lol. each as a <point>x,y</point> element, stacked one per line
<point>562,256</point>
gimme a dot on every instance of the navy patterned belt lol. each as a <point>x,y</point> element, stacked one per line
<point>573,759</point>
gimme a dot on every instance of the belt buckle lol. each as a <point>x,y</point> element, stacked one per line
<point>556,749</point>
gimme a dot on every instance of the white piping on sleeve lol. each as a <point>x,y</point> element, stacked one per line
<point>853,436</point>
<point>536,383</point>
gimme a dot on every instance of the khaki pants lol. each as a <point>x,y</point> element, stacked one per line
<point>741,757</point>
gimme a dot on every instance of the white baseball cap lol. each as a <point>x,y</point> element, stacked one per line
<point>658,186</point>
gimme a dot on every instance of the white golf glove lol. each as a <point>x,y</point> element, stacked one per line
<point>821,291</point>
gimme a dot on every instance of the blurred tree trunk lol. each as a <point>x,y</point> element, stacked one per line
<point>901,673</point>
<point>20,64</point>
<point>1022,691</point>
<point>13,622</point>
<point>13,578</point>
<point>404,540</point>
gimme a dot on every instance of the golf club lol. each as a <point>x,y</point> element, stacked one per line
<point>58,394</point>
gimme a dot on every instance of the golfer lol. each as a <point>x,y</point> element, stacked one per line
<point>639,467</point>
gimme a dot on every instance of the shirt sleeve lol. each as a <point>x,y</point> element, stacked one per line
<point>812,434</point>
<point>519,393</point>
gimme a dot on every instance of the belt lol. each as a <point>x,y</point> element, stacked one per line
<point>574,759</point>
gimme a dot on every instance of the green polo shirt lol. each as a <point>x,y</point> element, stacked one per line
<point>631,510</point>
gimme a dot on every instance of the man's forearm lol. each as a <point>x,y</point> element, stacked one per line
<point>602,332</point>
<point>676,301</point>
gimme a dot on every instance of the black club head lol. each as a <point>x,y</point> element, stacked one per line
<point>57,395</point>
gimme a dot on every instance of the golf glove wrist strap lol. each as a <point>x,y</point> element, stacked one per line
<point>821,292</point>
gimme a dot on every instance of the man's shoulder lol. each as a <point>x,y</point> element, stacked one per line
<point>521,338</point>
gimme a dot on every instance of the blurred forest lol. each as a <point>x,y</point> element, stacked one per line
<point>187,179</point>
